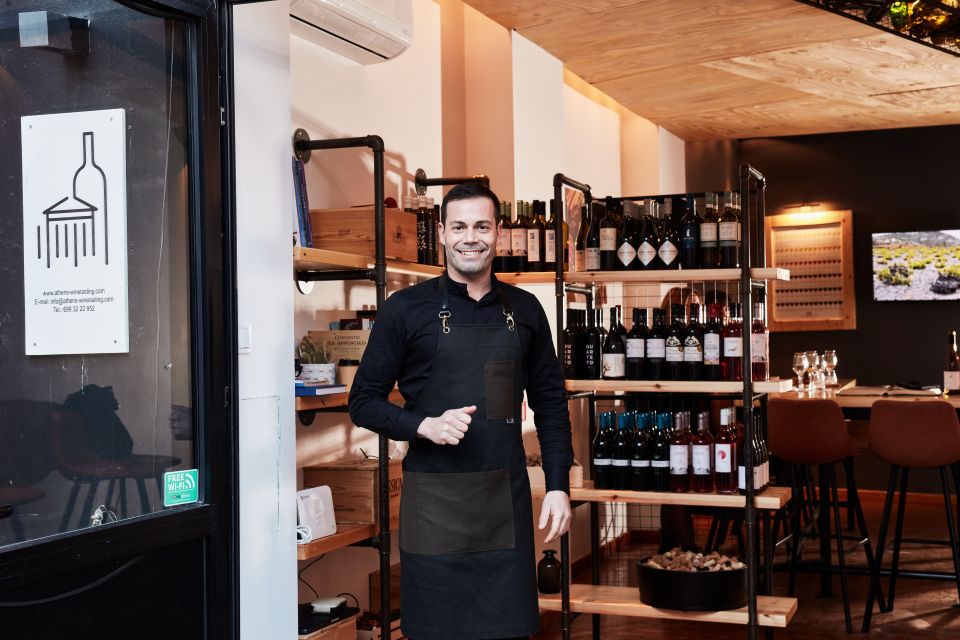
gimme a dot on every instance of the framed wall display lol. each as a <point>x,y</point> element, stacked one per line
<point>817,248</point>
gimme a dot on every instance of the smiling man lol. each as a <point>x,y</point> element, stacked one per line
<point>463,348</point>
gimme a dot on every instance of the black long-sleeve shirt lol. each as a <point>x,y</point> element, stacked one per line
<point>403,343</point>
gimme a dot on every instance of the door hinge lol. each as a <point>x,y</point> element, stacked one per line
<point>223,117</point>
<point>226,397</point>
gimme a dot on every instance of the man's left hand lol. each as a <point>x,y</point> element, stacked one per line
<point>556,511</point>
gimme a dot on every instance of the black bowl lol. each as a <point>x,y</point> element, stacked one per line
<point>692,590</point>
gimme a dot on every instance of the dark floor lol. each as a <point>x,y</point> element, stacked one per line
<point>924,609</point>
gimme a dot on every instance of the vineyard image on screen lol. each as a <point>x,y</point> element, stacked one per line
<point>916,265</point>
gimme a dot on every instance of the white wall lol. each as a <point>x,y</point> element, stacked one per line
<point>639,155</point>
<point>267,558</point>
<point>591,138</point>
<point>673,172</point>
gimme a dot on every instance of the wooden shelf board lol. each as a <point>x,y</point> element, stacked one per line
<point>307,259</point>
<point>771,498</point>
<point>534,277</point>
<point>346,535</point>
<point>335,400</point>
<point>674,275</point>
<point>772,611</point>
<point>773,385</point>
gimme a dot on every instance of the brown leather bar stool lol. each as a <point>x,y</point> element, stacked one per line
<point>911,435</point>
<point>803,433</point>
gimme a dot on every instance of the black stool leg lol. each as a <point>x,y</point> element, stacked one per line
<point>881,542</point>
<point>901,508</point>
<point>796,508</point>
<point>854,504</point>
<point>841,561</point>
<point>823,524</point>
<point>71,503</point>
<point>951,527</point>
<point>84,519</point>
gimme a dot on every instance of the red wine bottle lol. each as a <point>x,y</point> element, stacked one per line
<point>729,234</point>
<point>709,250</point>
<point>669,249</point>
<point>636,345</point>
<point>656,347</point>
<point>676,334</point>
<point>690,235</point>
<point>592,253</point>
<point>693,346</point>
<point>732,361</point>
<point>518,240</point>
<point>603,445</point>
<point>614,354</point>
<point>759,342</point>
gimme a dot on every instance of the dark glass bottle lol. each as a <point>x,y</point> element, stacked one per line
<point>742,445</point>
<point>550,239</point>
<point>592,347</point>
<point>623,451</point>
<point>693,346</point>
<point>627,241</point>
<point>709,249</point>
<point>732,360</point>
<point>655,357</point>
<point>501,262</point>
<point>569,351</point>
<point>729,234</point>
<point>620,328</point>
<point>674,343</point>
<point>640,460</point>
<point>724,456</point>
<point>679,456</point>
<point>614,350</point>
<point>580,248</point>
<point>535,236</point>
<point>603,452</point>
<point>518,240</point>
<point>436,247</point>
<point>649,240</point>
<point>580,364</point>
<point>592,255</point>
<point>759,341</point>
<point>669,248</point>
<point>636,343</point>
<point>423,220</point>
<point>951,370</point>
<point>598,319</point>
<point>609,228</point>
<point>548,572</point>
<point>758,462</point>
<point>690,235</point>
<point>712,340</point>
<point>660,455</point>
<point>701,456</point>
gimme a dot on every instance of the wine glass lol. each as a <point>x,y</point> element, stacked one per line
<point>830,364</point>
<point>799,366</point>
<point>813,365</point>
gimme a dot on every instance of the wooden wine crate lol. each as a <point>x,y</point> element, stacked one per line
<point>345,629</point>
<point>355,488</point>
<point>537,480</point>
<point>353,231</point>
<point>346,344</point>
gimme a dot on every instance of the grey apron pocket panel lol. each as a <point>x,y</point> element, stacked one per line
<point>456,512</point>
<point>498,389</point>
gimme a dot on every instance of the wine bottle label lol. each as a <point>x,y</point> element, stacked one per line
<point>679,459</point>
<point>626,253</point>
<point>634,348</point>
<point>708,234</point>
<point>741,478</point>
<point>503,243</point>
<point>701,459</point>
<point>732,347</point>
<point>722,458</point>
<point>692,349</point>
<point>602,462</point>
<point>729,232</point>
<point>518,242</point>
<point>758,347</point>
<point>646,253</point>
<point>711,348</point>
<point>579,260</point>
<point>656,348</point>
<point>614,365</point>
<point>660,464</point>
<point>621,462</point>
<point>533,245</point>
<point>668,253</point>
<point>643,464</point>
<point>608,238</point>
<point>951,380</point>
<point>593,258</point>
<point>674,349</point>
<point>550,245</point>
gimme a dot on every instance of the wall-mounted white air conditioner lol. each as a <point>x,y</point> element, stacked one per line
<point>367,31</point>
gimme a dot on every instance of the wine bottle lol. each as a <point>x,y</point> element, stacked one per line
<point>655,357</point>
<point>423,220</point>
<point>690,235</point>
<point>640,460</point>
<point>550,239</point>
<point>501,262</point>
<point>623,451</point>
<point>570,346</point>
<point>709,249</point>
<point>724,456</point>
<point>674,343</point>
<point>679,457</point>
<point>627,241</point>
<point>593,237</point>
<point>535,237</point>
<point>580,248</point>
<point>951,370</point>
<point>609,228</point>
<point>701,456</point>
<point>759,341</point>
<point>603,453</point>
<point>620,328</point>
<point>592,349</point>
<point>660,455</point>
<point>669,248</point>
<point>518,240</point>
<point>732,362</point>
<point>614,350</point>
<point>636,343</point>
<point>729,234</point>
<point>437,248</point>
<point>712,334</point>
<point>649,240</point>
<point>693,346</point>
<point>580,364</point>
<point>742,445</point>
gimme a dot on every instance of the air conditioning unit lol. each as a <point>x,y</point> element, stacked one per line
<point>366,31</point>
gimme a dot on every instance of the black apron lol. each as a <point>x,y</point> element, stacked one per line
<point>466,524</point>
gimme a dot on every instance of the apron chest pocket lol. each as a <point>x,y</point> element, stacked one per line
<point>498,389</point>
<point>456,512</point>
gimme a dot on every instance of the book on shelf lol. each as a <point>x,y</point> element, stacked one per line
<point>301,204</point>
<point>888,390</point>
<point>318,390</point>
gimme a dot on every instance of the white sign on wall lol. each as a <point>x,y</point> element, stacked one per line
<point>75,232</point>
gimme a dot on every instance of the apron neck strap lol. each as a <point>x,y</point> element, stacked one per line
<point>445,314</point>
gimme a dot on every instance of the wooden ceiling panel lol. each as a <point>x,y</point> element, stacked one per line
<point>523,15</point>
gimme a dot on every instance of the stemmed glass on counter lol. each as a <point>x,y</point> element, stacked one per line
<point>830,364</point>
<point>799,366</point>
<point>814,371</point>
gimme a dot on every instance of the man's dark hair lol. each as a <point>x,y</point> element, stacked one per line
<point>468,191</point>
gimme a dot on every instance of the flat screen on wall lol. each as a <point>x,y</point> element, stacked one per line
<point>916,265</point>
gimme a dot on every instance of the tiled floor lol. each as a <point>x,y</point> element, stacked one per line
<point>924,609</point>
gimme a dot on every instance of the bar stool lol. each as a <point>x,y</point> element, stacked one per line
<point>813,432</point>
<point>932,442</point>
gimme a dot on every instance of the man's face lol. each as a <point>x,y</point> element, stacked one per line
<point>470,236</point>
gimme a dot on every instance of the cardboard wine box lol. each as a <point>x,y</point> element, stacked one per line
<point>342,345</point>
<point>353,231</point>
<point>355,488</point>
<point>537,480</point>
